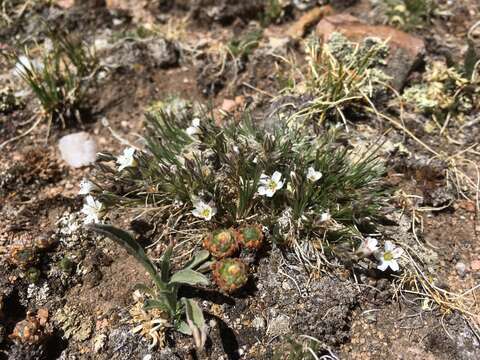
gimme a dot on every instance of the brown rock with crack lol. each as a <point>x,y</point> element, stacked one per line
<point>405,50</point>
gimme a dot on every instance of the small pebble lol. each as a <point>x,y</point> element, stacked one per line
<point>78,149</point>
<point>461,269</point>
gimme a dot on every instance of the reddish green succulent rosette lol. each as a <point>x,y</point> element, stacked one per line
<point>23,256</point>
<point>251,236</point>
<point>230,274</point>
<point>221,243</point>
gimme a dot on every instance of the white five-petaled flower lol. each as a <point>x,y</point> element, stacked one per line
<point>93,209</point>
<point>126,159</point>
<point>203,210</point>
<point>368,247</point>
<point>325,217</point>
<point>388,258</point>
<point>269,185</point>
<point>194,128</point>
<point>86,187</point>
<point>313,175</point>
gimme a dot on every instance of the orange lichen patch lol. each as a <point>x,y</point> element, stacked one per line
<point>34,329</point>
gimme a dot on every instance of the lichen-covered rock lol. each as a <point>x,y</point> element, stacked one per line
<point>406,50</point>
<point>224,11</point>
<point>33,330</point>
<point>23,256</point>
<point>8,101</point>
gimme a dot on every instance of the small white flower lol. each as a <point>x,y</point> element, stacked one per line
<point>255,160</point>
<point>388,258</point>
<point>93,209</point>
<point>203,210</point>
<point>313,175</point>
<point>324,217</point>
<point>126,159</point>
<point>194,129</point>
<point>25,64</point>
<point>368,247</point>
<point>270,185</point>
<point>86,187</point>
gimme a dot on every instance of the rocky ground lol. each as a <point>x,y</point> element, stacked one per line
<point>77,305</point>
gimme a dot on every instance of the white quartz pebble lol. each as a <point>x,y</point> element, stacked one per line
<point>78,149</point>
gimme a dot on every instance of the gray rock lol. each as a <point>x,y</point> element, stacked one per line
<point>405,53</point>
<point>154,52</point>
<point>461,269</point>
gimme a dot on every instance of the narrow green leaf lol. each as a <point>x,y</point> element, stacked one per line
<point>190,277</point>
<point>471,58</point>
<point>205,267</point>
<point>125,240</point>
<point>165,264</point>
<point>197,259</point>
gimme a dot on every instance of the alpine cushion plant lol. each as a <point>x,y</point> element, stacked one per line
<point>299,185</point>
<point>164,295</point>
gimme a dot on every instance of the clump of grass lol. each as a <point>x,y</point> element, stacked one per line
<point>272,13</point>
<point>407,14</point>
<point>301,186</point>
<point>243,47</point>
<point>12,12</point>
<point>61,79</point>
<point>341,77</point>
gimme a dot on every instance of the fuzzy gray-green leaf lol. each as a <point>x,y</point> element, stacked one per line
<point>190,277</point>
<point>197,259</point>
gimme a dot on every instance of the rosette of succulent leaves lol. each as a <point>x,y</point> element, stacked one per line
<point>224,166</point>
